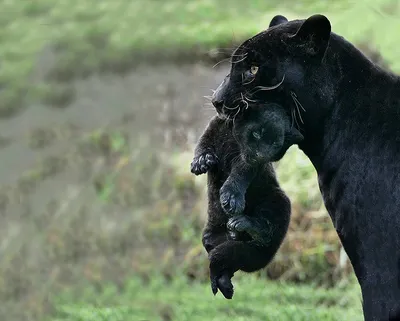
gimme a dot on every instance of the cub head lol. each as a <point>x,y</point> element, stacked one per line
<point>284,64</point>
<point>265,133</point>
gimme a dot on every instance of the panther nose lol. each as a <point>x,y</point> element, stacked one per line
<point>218,103</point>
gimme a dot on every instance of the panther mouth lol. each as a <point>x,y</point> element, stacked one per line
<point>222,115</point>
<point>245,99</point>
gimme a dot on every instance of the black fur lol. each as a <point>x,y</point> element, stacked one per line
<point>248,229</point>
<point>348,110</point>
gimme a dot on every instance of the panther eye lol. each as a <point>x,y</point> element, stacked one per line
<point>253,70</point>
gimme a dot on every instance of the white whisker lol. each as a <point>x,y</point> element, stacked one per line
<point>241,55</point>
<point>292,113</point>
<point>221,61</point>
<point>230,108</point>
<point>298,105</point>
<point>264,88</point>
<point>298,111</point>
<point>251,100</point>
<point>249,82</point>
<point>237,99</point>
<point>294,96</point>
<point>240,60</point>
<point>244,101</point>
<point>234,116</point>
<point>295,118</point>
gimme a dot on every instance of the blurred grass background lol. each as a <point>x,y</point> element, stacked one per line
<point>100,107</point>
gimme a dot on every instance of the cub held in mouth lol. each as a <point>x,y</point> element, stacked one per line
<point>248,213</point>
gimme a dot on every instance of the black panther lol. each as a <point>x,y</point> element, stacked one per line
<point>348,110</point>
<point>244,229</point>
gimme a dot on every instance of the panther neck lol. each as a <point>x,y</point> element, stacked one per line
<point>347,86</point>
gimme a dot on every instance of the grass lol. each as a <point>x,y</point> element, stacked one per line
<point>142,214</point>
<point>47,44</point>
<point>182,300</point>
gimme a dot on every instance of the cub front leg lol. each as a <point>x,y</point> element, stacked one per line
<point>233,192</point>
<point>204,154</point>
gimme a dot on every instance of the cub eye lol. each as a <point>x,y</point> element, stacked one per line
<point>253,70</point>
<point>258,134</point>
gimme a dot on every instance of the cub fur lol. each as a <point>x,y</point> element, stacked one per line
<point>245,231</point>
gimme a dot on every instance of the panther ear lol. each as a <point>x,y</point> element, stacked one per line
<point>277,20</point>
<point>314,35</point>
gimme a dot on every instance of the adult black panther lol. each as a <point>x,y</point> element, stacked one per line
<point>348,110</point>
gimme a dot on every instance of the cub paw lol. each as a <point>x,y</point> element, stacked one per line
<point>202,163</point>
<point>239,223</point>
<point>232,202</point>
<point>224,284</point>
<point>220,278</point>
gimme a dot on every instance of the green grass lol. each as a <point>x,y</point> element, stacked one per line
<point>151,228</point>
<point>183,300</point>
<point>74,38</point>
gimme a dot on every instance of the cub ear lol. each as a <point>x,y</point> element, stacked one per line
<point>314,33</point>
<point>277,20</point>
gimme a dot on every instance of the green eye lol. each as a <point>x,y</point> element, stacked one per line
<point>257,135</point>
<point>253,69</point>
